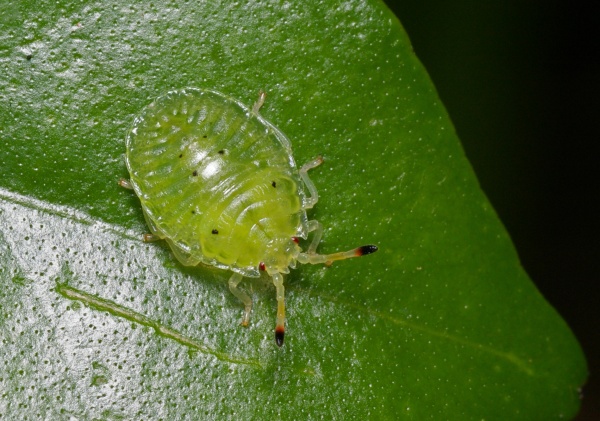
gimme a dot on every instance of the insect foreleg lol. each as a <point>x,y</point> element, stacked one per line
<point>315,227</point>
<point>313,197</point>
<point>235,279</point>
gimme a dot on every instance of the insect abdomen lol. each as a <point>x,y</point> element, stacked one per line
<point>213,178</point>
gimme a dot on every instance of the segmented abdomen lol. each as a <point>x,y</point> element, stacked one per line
<point>213,178</point>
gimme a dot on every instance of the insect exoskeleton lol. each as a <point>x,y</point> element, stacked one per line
<point>218,182</point>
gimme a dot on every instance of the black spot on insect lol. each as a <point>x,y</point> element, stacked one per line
<point>215,231</point>
<point>221,152</point>
<point>195,173</point>
<point>193,212</point>
<point>28,57</point>
<point>205,136</point>
<point>274,184</point>
<point>180,155</point>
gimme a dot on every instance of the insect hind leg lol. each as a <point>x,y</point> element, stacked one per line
<point>313,197</point>
<point>126,184</point>
<point>262,95</point>
<point>147,238</point>
<point>234,281</point>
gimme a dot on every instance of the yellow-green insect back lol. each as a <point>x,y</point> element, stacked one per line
<point>218,182</point>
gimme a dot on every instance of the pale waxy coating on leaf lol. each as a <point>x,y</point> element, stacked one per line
<point>218,182</point>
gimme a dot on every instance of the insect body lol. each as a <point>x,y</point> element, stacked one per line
<point>218,182</point>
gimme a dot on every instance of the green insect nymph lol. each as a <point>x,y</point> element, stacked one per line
<point>219,183</point>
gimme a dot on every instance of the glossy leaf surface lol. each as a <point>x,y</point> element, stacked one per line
<point>441,323</point>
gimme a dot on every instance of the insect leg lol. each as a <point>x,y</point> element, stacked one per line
<point>235,279</point>
<point>316,227</point>
<point>280,291</point>
<point>147,238</point>
<point>313,197</point>
<point>262,95</point>
<point>154,233</point>
<point>126,184</point>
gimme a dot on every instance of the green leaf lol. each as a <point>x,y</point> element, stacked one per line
<point>441,323</point>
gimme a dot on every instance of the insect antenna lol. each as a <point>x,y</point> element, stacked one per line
<point>280,292</point>
<point>328,259</point>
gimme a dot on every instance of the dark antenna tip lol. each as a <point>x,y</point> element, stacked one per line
<point>364,250</point>
<point>279,333</point>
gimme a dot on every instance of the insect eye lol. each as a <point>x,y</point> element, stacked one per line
<point>296,240</point>
<point>262,266</point>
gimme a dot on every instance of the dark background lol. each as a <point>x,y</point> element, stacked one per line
<point>521,82</point>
